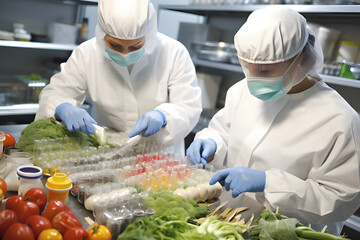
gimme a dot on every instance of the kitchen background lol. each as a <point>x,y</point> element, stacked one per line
<point>37,35</point>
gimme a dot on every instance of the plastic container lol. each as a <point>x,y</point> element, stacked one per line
<point>30,177</point>
<point>348,51</point>
<point>2,138</point>
<point>328,39</point>
<point>20,34</point>
<point>58,187</point>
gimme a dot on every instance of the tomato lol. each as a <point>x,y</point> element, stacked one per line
<point>12,201</point>
<point>50,234</point>
<point>3,188</point>
<point>53,208</point>
<point>9,140</point>
<point>7,218</point>
<point>99,232</point>
<point>65,220</point>
<point>76,234</point>
<point>37,196</point>
<point>24,210</point>
<point>38,224</point>
<point>18,231</point>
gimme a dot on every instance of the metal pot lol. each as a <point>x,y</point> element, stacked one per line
<point>356,72</point>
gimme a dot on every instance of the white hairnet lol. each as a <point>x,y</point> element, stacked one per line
<point>276,34</point>
<point>127,19</point>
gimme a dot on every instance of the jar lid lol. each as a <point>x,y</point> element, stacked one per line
<point>59,181</point>
<point>29,172</point>
<point>2,136</point>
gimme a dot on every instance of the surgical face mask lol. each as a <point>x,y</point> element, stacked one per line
<point>266,88</point>
<point>124,59</point>
<point>269,88</point>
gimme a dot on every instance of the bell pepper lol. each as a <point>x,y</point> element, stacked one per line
<point>99,232</point>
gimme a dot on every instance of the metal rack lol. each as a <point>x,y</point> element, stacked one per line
<point>237,68</point>
<point>230,9</point>
<point>37,45</point>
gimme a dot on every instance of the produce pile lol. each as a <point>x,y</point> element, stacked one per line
<point>31,217</point>
<point>175,218</point>
<point>49,129</point>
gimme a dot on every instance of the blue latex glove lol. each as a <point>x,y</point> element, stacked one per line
<point>240,179</point>
<point>201,149</point>
<point>149,124</point>
<point>75,118</point>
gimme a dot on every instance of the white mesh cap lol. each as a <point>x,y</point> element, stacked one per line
<point>127,19</point>
<point>123,19</point>
<point>276,34</point>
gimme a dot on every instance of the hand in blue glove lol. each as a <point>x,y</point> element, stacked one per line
<point>201,149</point>
<point>240,179</point>
<point>149,124</point>
<point>75,118</point>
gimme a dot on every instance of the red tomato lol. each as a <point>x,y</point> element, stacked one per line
<point>65,220</point>
<point>12,201</point>
<point>24,210</point>
<point>18,231</point>
<point>3,188</point>
<point>38,224</point>
<point>7,218</point>
<point>76,234</point>
<point>9,140</point>
<point>38,196</point>
<point>53,208</point>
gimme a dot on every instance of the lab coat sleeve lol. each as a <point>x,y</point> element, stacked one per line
<point>183,110</point>
<point>330,193</point>
<point>218,130</point>
<point>69,85</point>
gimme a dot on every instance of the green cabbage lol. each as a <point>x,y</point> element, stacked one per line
<point>49,129</point>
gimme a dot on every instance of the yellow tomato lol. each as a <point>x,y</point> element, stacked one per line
<point>50,234</point>
<point>99,232</point>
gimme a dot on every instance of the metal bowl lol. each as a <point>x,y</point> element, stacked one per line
<point>214,56</point>
<point>356,72</point>
<point>214,46</point>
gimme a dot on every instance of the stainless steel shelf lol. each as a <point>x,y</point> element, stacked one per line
<point>211,9</point>
<point>341,81</point>
<point>237,68</point>
<point>81,2</point>
<point>37,45</point>
<point>19,109</point>
<point>217,65</point>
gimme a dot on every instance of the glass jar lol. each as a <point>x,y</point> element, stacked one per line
<point>30,177</point>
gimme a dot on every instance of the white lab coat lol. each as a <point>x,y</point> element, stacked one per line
<point>164,80</point>
<point>307,143</point>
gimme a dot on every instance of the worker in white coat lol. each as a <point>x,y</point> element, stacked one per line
<point>285,138</point>
<point>139,80</point>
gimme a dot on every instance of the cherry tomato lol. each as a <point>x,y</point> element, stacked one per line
<point>37,196</point>
<point>3,188</point>
<point>65,220</point>
<point>99,232</point>
<point>7,218</point>
<point>53,208</point>
<point>24,210</point>
<point>12,201</point>
<point>38,224</point>
<point>9,140</point>
<point>50,234</point>
<point>18,231</point>
<point>76,234</point>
